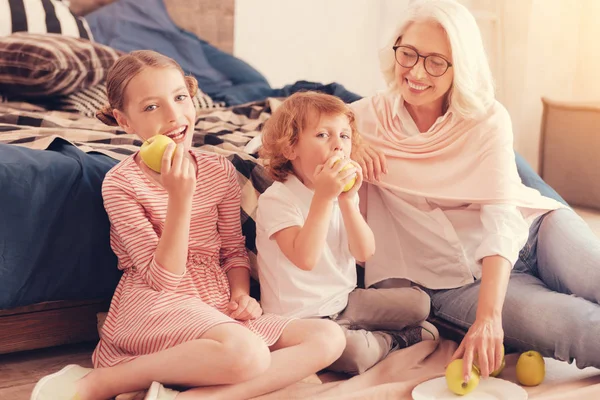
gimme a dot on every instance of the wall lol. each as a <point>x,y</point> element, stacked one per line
<point>331,40</point>
<point>536,48</point>
<point>316,40</point>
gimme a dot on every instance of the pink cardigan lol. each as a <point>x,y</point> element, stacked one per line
<point>455,164</point>
<point>469,161</point>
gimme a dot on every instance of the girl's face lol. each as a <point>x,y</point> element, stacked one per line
<point>157,102</point>
<point>330,135</point>
<point>419,88</point>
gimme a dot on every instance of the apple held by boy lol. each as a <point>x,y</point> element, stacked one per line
<point>350,184</point>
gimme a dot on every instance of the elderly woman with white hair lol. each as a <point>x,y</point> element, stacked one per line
<point>449,211</point>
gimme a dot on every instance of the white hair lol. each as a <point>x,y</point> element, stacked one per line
<point>472,90</point>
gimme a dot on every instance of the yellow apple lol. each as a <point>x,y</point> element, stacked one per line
<point>531,368</point>
<point>500,368</point>
<point>153,149</point>
<point>455,381</point>
<point>352,181</point>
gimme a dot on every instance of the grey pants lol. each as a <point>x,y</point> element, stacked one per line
<point>368,314</point>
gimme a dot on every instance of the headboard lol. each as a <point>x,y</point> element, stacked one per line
<point>211,20</point>
<point>570,141</point>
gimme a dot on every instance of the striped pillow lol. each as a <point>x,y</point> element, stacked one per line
<point>51,65</point>
<point>88,101</point>
<point>41,16</point>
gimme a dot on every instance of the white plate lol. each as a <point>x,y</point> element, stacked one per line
<point>488,389</point>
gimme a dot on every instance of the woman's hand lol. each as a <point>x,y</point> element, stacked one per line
<point>483,344</point>
<point>372,162</point>
<point>178,177</point>
<point>244,308</point>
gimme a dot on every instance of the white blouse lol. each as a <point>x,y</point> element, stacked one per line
<point>437,244</point>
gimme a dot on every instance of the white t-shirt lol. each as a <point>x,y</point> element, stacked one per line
<point>286,289</point>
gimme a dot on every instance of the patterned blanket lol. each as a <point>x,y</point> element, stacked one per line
<point>226,131</point>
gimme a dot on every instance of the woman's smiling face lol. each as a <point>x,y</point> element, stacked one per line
<point>419,88</point>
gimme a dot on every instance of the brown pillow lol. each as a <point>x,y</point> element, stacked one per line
<point>35,65</point>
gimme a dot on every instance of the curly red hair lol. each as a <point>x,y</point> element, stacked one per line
<point>297,113</point>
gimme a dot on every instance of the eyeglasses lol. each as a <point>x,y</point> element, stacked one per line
<point>408,57</point>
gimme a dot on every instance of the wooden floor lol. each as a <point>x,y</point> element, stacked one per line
<point>20,371</point>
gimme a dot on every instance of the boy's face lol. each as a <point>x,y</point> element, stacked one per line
<point>157,102</point>
<point>330,135</point>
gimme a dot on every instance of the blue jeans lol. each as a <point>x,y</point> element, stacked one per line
<point>552,301</point>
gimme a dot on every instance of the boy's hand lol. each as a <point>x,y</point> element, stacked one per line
<point>244,308</point>
<point>359,180</point>
<point>330,178</point>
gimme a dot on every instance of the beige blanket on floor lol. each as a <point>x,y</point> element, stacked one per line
<point>396,377</point>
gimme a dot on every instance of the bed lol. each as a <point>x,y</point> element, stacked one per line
<point>57,271</point>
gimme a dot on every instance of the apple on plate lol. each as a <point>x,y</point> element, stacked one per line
<point>153,149</point>
<point>497,371</point>
<point>455,381</point>
<point>531,368</point>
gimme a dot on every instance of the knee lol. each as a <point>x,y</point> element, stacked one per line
<point>355,349</point>
<point>335,339</point>
<point>421,306</point>
<point>248,357</point>
<point>329,341</point>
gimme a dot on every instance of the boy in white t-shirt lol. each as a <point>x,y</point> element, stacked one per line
<point>310,233</point>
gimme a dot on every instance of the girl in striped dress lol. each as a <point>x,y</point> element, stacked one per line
<point>182,314</point>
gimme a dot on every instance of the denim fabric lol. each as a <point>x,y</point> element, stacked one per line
<point>552,299</point>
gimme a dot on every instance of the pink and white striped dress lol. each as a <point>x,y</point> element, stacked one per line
<point>153,309</point>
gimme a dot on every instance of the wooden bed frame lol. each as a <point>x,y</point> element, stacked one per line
<point>64,322</point>
<point>49,324</point>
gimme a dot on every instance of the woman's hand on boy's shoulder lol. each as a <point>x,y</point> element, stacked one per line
<point>371,160</point>
<point>244,308</point>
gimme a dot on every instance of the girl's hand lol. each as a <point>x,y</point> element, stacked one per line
<point>178,177</point>
<point>331,177</point>
<point>359,180</point>
<point>244,308</point>
<point>482,343</point>
<point>371,160</point>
